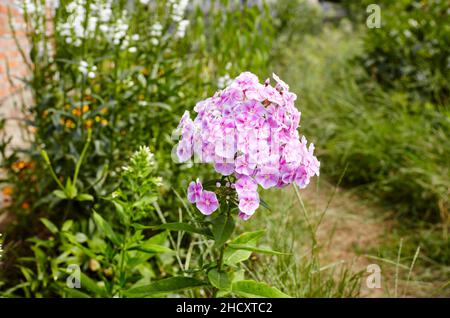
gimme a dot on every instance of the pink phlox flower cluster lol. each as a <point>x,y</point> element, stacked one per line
<point>250,130</point>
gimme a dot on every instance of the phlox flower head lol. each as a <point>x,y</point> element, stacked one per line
<point>249,132</point>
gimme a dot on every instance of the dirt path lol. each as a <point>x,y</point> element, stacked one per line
<point>351,232</point>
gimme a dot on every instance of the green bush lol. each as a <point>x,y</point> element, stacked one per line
<point>410,50</point>
<point>391,150</point>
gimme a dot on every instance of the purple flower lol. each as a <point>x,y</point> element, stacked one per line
<point>224,168</point>
<point>207,203</point>
<point>195,189</point>
<point>248,130</point>
<point>248,203</point>
<point>266,178</point>
<point>301,177</point>
<point>244,166</point>
<point>244,216</point>
<point>184,150</point>
<point>245,184</point>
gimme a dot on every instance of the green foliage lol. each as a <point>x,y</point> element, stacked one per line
<point>410,50</point>
<point>393,149</point>
<point>294,19</point>
<point>69,193</point>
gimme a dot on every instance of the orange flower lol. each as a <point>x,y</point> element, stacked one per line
<point>85,108</point>
<point>88,123</point>
<point>25,205</point>
<point>76,111</point>
<point>7,191</point>
<point>19,165</point>
<point>70,124</point>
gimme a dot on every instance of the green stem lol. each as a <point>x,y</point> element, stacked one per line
<point>122,274</point>
<point>49,164</point>
<point>220,260</point>
<point>83,153</point>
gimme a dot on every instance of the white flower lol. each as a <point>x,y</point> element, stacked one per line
<point>181,30</point>
<point>156,29</point>
<point>87,70</point>
<point>132,49</point>
<point>223,81</point>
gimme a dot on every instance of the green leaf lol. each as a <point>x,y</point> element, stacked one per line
<point>152,248</point>
<point>159,239</point>
<point>75,293</point>
<point>234,256</point>
<point>90,285</point>
<point>167,285</point>
<point>264,204</point>
<point>248,237</point>
<point>120,209</point>
<point>104,227</point>
<point>220,280</point>
<point>254,289</point>
<point>179,226</point>
<point>60,194</point>
<point>223,227</point>
<point>67,225</point>
<point>84,197</point>
<point>49,225</point>
<point>255,249</point>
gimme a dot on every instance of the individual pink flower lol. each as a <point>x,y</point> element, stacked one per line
<point>267,178</point>
<point>248,203</point>
<point>282,86</point>
<point>224,168</point>
<point>195,189</point>
<point>245,184</point>
<point>244,166</point>
<point>245,80</point>
<point>207,203</point>
<point>301,177</point>
<point>184,150</point>
<point>244,216</point>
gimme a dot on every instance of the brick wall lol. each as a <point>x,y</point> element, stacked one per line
<point>12,64</point>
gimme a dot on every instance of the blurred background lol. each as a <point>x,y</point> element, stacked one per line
<point>373,86</point>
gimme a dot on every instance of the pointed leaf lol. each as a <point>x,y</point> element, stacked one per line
<point>254,289</point>
<point>49,225</point>
<point>85,197</point>
<point>220,280</point>
<point>104,227</point>
<point>255,249</point>
<point>179,226</point>
<point>167,285</point>
<point>223,227</point>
